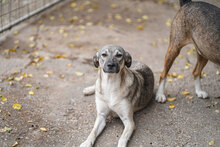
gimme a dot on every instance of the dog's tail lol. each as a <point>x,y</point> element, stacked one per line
<point>183,2</point>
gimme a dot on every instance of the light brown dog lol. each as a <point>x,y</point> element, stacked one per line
<point>197,23</point>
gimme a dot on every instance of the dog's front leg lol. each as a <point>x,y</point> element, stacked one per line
<point>125,112</point>
<point>102,112</point>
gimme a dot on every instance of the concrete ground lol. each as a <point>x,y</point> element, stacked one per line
<point>47,61</point>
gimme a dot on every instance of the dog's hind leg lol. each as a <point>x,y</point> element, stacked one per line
<point>89,90</point>
<point>172,53</point>
<point>201,62</point>
<point>178,38</point>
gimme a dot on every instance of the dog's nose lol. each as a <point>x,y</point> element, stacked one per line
<point>110,64</point>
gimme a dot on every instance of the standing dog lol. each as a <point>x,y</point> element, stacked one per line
<point>197,23</point>
<point>120,89</point>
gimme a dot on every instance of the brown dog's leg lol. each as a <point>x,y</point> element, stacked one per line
<point>201,62</point>
<point>172,53</point>
<point>179,37</point>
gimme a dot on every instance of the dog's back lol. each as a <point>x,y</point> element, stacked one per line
<point>143,88</point>
<point>201,21</point>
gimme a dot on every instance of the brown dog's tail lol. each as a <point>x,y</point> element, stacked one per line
<point>183,2</point>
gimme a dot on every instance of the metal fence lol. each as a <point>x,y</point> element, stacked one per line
<point>13,12</point>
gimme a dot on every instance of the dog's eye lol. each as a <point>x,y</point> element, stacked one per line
<point>119,55</point>
<point>104,55</point>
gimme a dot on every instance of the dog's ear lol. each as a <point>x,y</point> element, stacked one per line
<point>128,59</point>
<point>96,60</point>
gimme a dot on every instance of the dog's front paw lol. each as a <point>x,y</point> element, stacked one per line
<point>202,94</point>
<point>86,144</point>
<point>160,97</point>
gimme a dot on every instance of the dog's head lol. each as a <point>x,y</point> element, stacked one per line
<point>112,59</point>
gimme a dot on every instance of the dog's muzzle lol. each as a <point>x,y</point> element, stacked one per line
<point>111,67</point>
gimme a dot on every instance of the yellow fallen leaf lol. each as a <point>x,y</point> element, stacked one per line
<point>217,111</point>
<point>118,16</point>
<point>139,20</point>
<point>90,10</point>
<point>168,22</point>
<point>111,27</point>
<point>154,44</point>
<point>174,74</point>
<point>140,27</point>
<point>180,56</point>
<point>69,64</point>
<point>211,143</point>
<point>12,50</point>
<point>189,97</point>
<point>31,92</point>
<point>160,1</point>
<point>170,99</point>
<point>145,17</point>
<point>128,20</point>
<point>4,99</point>
<point>139,10</point>
<point>15,32</point>
<point>52,17</point>
<point>89,24</point>
<point>79,73</point>
<point>30,75</point>
<point>43,129</point>
<point>32,45</point>
<point>170,80</point>
<point>31,38</point>
<point>60,56</point>
<point>73,5</point>
<point>15,144</point>
<point>171,106</point>
<point>185,93</point>
<point>113,6</point>
<point>217,72</point>
<point>50,72</point>
<point>203,74</point>
<point>30,121</point>
<point>16,106</point>
<point>62,76</point>
<point>24,75</point>
<point>180,76</point>
<point>191,51</point>
<point>28,85</point>
<point>187,65</point>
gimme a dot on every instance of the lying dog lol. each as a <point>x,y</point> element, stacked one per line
<point>197,23</point>
<point>120,89</point>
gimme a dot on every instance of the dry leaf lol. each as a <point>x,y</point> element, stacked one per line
<point>60,56</point>
<point>73,5</point>
<point>185,93</point>
<point>4,99</point>
<point>69,64</point>
<point>170,99</point>
<point>32,45</point>
<point>31,92</point>
<point>16,106</point>
<point>28,85</point>
<point>118,16</point>
<point>217,72</point>
<point>145,17</point>
<point>168,22</point>
<point>189,97</point>
<point>180,56</point>
<point>128,20</point>
<point>15,144</point>
<point>62,76</point>
<point>12,50</point>
<point>79,73</point>
<point>171,106</point>
<point>140,27</point>
<point>170,80</point>
<point>139,10</point>
<point>217,111</point>
<point>30,121</point>
<point>113,6</point>
<point>15,32</point>
<point>154,44</point>
<point>180,76</point>
<point>211,143</point>
<point>43,129</point>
